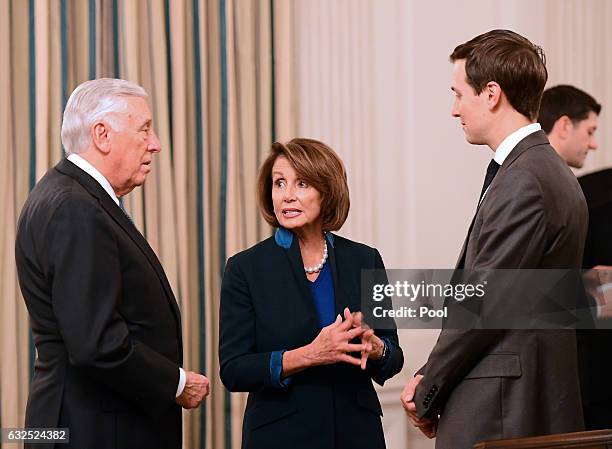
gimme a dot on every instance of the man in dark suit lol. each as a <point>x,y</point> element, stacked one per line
<point>492,384</point>
<point>569,117</point>
<point>104,319</point>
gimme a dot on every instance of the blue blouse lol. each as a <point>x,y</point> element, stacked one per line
<point>322,289</point>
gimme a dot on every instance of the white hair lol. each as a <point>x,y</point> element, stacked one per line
<point>90,102</point>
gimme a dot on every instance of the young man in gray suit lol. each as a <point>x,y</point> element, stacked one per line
<point>494,384</point>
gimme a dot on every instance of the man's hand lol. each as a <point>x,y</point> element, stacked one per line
<point>196,389</point>
<point>599,286</point>
<point>428,426</point>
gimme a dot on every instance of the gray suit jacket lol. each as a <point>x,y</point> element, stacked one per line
<point>493,384</point>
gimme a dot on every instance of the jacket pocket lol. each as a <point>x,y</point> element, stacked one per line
<point>497,365</point>
<point>265,413</point>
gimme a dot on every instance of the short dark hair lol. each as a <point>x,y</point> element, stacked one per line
<point>319,166</point>
<point>510,60</point>
<point>565,100</point>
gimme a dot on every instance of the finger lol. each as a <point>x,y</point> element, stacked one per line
<point>364,359</point>
<point>408,393</point>
<point>367,335</point>
<point>353,347</point>
<point>349,359</point>
<point>337,322</point>
<point>347,314</point>
<point>348,320</point>
<point>429,430</point>
<point>354,332</point>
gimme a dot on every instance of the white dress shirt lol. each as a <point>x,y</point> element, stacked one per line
<point>95,174</point>
<point>508,144</point>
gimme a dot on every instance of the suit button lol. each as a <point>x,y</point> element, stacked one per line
<point>425,403</point>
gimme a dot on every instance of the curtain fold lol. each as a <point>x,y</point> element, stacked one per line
<point>209,69</point>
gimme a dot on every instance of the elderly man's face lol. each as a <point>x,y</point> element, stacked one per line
<point>132,146</point>
<point>296,203</point>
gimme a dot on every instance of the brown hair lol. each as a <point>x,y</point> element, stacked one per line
<point>565,100</point>
<point>318,165</point>
<point>510,60</point>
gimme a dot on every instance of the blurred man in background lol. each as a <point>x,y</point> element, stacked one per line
<point>569,117</point>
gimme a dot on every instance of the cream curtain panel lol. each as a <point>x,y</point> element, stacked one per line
<point>216,74</point>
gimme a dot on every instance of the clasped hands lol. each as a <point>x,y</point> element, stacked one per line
<point>333,345</point>
<point>429,426</point>
<point>197,387</point>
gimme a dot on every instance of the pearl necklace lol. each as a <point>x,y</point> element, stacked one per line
<point>319,266</point>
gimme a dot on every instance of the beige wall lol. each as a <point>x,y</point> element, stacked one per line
<point>373,80</point>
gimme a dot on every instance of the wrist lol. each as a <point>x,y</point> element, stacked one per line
<point>308,355</point>
<point>378,350</point>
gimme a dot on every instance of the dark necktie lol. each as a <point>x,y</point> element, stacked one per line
<point>125,212</point>
<point>491,172</point>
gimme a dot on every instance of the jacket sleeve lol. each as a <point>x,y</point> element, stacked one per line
<point>513,235</point>
<point>394,360</point>
<point>85,270</point>
<point>242,368</point>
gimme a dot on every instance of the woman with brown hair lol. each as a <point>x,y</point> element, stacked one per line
<point>290,331</point>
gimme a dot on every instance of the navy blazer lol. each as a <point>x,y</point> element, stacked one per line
<point>266,306</point>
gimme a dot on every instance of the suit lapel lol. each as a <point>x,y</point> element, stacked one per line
<point>95,189</point>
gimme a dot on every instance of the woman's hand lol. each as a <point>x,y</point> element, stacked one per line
<point>330,346</point>
<point>373,346</point>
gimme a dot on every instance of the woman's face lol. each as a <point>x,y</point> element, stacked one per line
<point>296,204</point>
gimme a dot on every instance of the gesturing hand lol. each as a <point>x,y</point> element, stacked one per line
<point>332,344</point>
<point>196,389</point>
<point>373,346</point>
<point>428,426</point>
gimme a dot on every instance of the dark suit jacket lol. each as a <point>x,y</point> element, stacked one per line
<point>594,346</point>
<point>493,384</point>
<point>104,320</point>
<point>266,305</point>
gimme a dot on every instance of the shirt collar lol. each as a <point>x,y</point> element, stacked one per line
<point>284,238</point>
<point>95,174</point>
<point>508,144</point>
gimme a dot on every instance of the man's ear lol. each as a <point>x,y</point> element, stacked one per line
<point>100,137</point>
<point>493,93</point>
<point>562,127</point>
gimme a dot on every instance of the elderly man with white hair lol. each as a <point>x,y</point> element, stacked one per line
<point>104,319</point>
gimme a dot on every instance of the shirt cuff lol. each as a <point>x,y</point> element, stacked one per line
<point>276,370</point>
<point>182,382</point>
